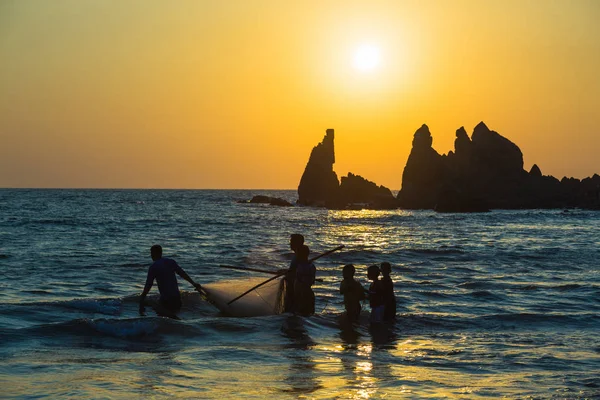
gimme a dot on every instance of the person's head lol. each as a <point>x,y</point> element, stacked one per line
<point>296,240</point>
<point>386,268</point>
<point>156,252</point>
<point>348,271</point>
<point>373,272</point>
<point>303,252</point>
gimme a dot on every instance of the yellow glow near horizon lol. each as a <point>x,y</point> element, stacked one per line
<point>236,94</point>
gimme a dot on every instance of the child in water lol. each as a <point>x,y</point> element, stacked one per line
<point>389,298</point>
<point>353,293</point>
<point>375,294</point>
<point>305,278</point>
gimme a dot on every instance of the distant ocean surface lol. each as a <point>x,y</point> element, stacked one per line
<point>500,304</point>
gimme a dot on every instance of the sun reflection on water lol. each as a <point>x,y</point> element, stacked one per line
<point>356,230</point>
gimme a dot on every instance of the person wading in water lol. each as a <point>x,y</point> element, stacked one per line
<point>305,278</point>
<point>296,240</point>
<point>164,270</point>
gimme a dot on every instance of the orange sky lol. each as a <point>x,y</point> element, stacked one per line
<point>234,94</point>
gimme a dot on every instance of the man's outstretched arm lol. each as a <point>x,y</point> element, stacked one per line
<point>185,276</point>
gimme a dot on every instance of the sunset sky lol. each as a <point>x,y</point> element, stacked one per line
<point>234,94</point>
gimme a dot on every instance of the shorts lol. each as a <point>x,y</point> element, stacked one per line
<point>377,314</point>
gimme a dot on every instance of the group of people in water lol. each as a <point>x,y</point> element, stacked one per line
<point>299,279</point>
<point>380,293</point>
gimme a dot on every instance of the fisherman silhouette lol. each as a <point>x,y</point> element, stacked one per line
<point>164,270</point>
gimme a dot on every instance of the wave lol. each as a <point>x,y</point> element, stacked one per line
<point>463,269</point>
<point>567,287</point>
<point>367,256</point>
<point>536,321</point>
<point>485,294</point>
<point>514,321</point>
<point>51,221</point>
<point>103,306</point>
<point>439,251</point>
<point>107,306</point>
<point>430,321</point>
<point>476,285</point>
<point>402,268</point>
<point>562,288</point>
<point>110,306</point>
<point>122,328</point>
<point>528,287</point>
<point>139,327</point>
<point>38,291</point>
<point>134,265</point>
<point>433,294</point>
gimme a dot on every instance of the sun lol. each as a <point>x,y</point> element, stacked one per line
<point>367,58</point>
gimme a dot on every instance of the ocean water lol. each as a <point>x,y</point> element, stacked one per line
<point>500,304</point>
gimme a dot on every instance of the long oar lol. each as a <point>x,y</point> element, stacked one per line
<point>258,270</point>
<point>256,287</point>
<point>249,269</point>
<point>282,273</point>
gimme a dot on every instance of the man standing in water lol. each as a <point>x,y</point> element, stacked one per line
<point>296,240</point>
<point>305,278</point>
<point>164,270</point>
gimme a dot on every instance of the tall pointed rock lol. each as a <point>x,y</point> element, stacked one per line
<point>422,174</point>
<point>319,185</point>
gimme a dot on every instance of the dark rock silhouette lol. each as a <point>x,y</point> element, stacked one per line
<point>274,201</point>
<point>423,172</point>
<point>485,171</point>
<point>319,185</point>
<point>535,171</point>
<point>356,190</point>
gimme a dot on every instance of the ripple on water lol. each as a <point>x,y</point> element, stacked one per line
<point>501,304</point>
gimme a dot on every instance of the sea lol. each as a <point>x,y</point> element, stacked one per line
<point>504,304</point>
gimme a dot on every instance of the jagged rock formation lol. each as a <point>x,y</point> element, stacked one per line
<point>485,171</point>
<point>319,185</point>
<point>355,189</point>
<point>422,173</point>
<point>535,171</point>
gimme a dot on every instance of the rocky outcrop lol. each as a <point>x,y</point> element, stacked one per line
<point>274,201</point>
<point>535,171</point>
<point>423,172</point>
<point>319,185</point>
<point>357,191</point>
<point>484,171</point>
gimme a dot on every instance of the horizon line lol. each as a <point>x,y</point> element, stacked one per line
<point>130,188</point>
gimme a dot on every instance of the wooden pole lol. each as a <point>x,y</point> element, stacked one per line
<point>282,273</point>
<point>249,269</point>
